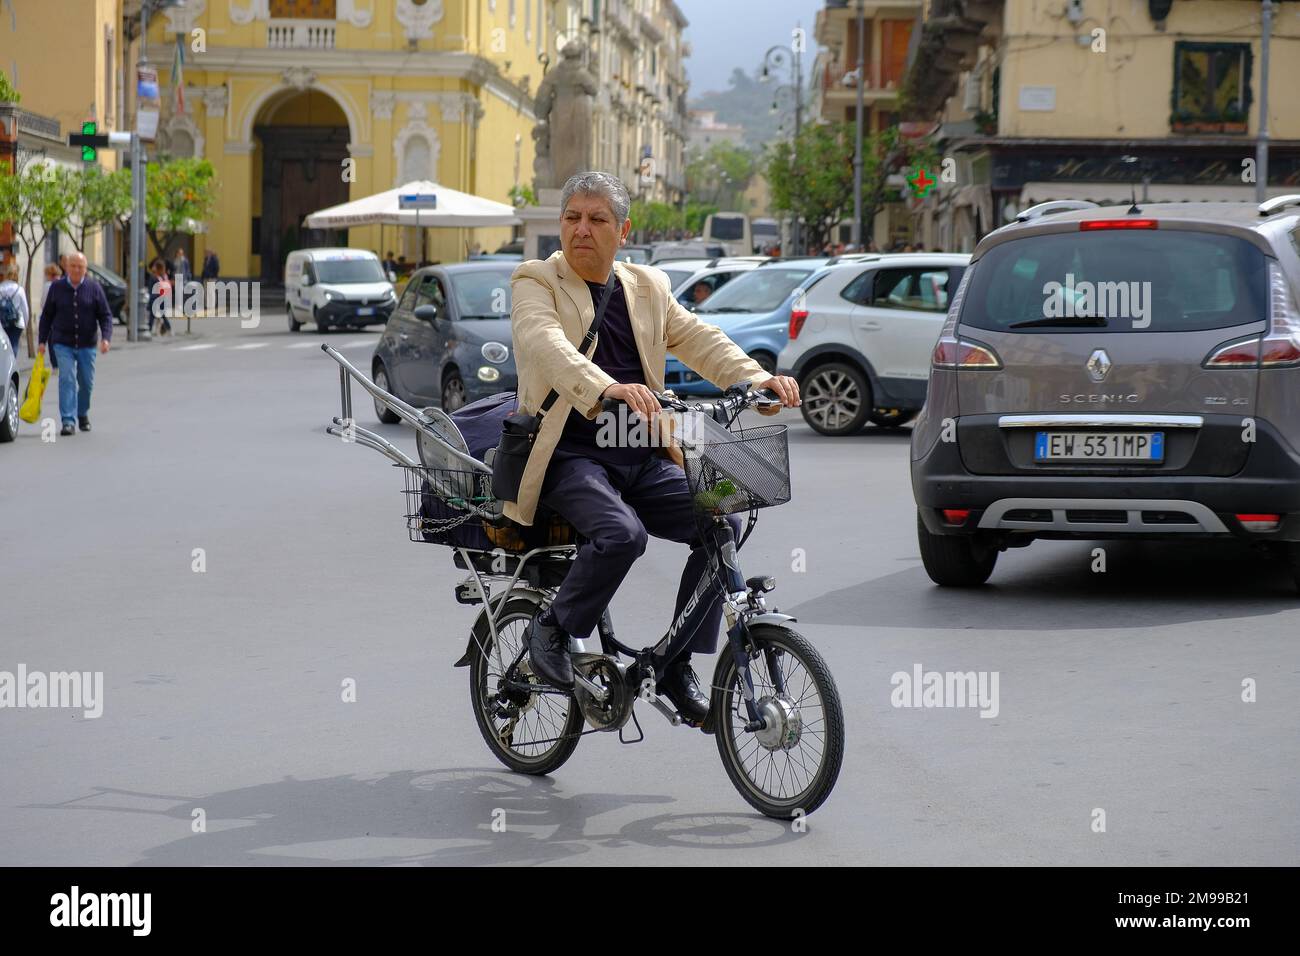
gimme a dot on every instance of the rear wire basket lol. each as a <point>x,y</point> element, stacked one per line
<point>447,505</point>
<point>729,472</point>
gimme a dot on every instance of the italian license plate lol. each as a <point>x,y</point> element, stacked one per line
<point>366,311</point>
<point>1099,446</point>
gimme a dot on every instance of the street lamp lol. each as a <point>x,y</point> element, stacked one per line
<point>137,273</point>
<point>781,57</point>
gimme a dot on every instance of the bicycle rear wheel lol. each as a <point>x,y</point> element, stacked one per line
<point>789,768</point>
<point>529,733</point>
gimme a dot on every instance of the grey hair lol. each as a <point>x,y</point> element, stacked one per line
<point>603,185</point>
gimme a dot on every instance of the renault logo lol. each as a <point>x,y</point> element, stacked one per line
<point>1098,365</point>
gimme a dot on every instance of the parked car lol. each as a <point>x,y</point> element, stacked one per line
<point>860,342</point>
<point>754,310</point>
<point>115,291</point>
<point>1116,373</point>
<point>336,288</point>
<point>684,248</point>
<point>713,276</point>
<point>9,397</point>
<point>638,254</point>
<point>448,341</point>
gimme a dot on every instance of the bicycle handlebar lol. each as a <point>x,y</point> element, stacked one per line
<point>735,400</point>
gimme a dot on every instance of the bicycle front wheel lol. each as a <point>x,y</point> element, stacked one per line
<point>788,768</point>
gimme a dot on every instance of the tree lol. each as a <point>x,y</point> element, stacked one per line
<point>522,195</point>
<point>721,175</point>
<point>814,179</point>
<point>178,194</point>
<point>654,220</point>
<point>35,201</point>
<point>98,199</point>
<point>7,92</point>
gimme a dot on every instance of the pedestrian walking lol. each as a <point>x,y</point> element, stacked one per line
<point>74,307</point>
<point>14,311</point>
<point>160,297</point>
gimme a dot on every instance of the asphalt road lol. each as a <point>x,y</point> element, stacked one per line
<point>1118,691</point>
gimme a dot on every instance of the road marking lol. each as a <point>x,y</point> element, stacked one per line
<point>249,345</point>
<point>303,345</point>
<point>191,348</point>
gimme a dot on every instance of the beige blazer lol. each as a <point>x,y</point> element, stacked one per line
<point>550,312</point>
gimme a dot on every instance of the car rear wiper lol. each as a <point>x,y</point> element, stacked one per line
<point>1062,321</point>
<point>725,308</point>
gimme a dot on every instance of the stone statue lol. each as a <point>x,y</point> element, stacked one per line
<point>564,125</point>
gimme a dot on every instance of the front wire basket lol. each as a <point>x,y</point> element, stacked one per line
<point>729,472</point>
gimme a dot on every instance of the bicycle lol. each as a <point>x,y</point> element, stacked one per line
<point>774,707</point>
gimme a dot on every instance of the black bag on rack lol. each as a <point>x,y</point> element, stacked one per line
<point>519,431</point>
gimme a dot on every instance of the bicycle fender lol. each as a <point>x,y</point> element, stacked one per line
<point>473,644</point>
<point>771,617</point>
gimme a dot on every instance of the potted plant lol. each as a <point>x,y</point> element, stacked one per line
<point>1234,120</point>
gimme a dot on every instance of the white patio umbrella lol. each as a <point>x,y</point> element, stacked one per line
<point>454,209</point>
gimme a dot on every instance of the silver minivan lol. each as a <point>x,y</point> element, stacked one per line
<point>1116,372</point>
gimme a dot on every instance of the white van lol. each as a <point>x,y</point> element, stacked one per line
<point>731,229</point>
<point>336,287</point>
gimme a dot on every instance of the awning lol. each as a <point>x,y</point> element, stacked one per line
<point>455,209</point>
<point>1116,193</point>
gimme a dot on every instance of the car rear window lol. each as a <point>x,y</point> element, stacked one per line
<point>760,290</point>
<point>1134,280</point>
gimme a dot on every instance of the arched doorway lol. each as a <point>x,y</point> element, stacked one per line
<point>302,138</point>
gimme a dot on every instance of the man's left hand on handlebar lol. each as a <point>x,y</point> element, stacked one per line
<point>786,389</point>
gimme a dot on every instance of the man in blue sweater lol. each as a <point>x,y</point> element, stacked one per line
<point>75,310</point>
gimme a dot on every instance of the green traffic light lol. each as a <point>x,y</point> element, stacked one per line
<point>88,128</point>
<point>87,154</point>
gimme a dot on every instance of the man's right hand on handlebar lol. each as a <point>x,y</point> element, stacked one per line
<point>638,398</point>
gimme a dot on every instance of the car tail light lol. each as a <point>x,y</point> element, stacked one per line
<point>956,516</point>
<point>1092,225</point>
<point>797,318</point>
<point>1260,522</point>
<point>1280,346</point>
<point>1235,355</point>
<point>951,352</point>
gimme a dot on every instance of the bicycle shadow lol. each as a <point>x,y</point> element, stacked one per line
<point>415,818</point>
<point>1051,586</point>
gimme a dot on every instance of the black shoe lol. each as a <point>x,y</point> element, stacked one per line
<point>67,429</point>
<point>84,422</point>
<point>548,652</point>
<point>682,687</point>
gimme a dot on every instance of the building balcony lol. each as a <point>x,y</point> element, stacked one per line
<point>833,19</point>
<point>300,34</point>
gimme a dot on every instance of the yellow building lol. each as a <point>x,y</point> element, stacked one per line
<point>59,91</point>
<point>303,104</point>
<point>1080,100</point>
<point>886,33</point>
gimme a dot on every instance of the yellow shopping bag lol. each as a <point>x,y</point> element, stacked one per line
<point>31,410</point>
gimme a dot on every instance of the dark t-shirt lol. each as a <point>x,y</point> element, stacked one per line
<point>616,354</point>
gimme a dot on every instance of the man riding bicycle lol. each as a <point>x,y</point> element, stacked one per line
<point>614,489</point>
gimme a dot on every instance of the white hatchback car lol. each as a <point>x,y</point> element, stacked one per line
<point>860,340</point>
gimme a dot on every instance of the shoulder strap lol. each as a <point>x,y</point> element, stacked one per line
<point>589,337</point>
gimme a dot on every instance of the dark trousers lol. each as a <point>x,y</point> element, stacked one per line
<point>614,507</point>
